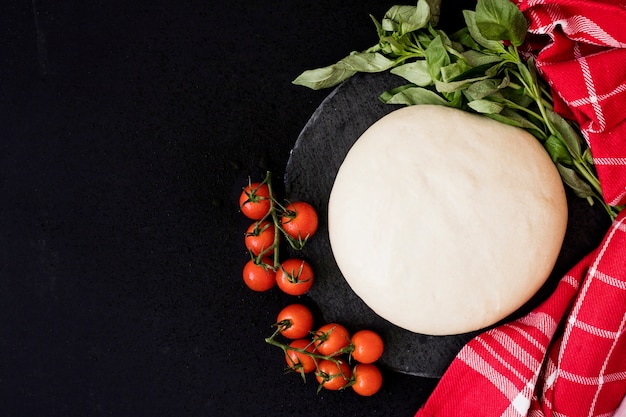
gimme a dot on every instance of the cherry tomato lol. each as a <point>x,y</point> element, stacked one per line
<point>367,379</point>
<point>294,276</point>
<point>299,220</point>
<point>368,346</point>
<point>333,376</point>
<point>295,321</point>
<point>254,201</point>
<point>298,361</point>
<point>331,338</point>
<point>259,238</point>
<point>259,276</point>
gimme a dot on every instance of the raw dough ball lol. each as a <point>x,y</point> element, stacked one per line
<point>446,222</point>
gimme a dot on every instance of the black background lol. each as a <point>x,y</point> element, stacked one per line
<point>128,129</point>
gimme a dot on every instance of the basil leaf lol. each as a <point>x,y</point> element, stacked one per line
<point>387,95</point>
<point>464,37</point>
<point>486,106</point>
<point>570,138</point>
<point>525,123</point>
<point>332,75</point>
<point>414,95</point>
<point>517,96</point>
<point>366,62</point>
<point>499,20</point>
<point>512,118</point>
<point>392,46</point>
<point>448,87</point>
<point>404,19</point>
<point>569,176</point>
<point>470,21</point>
<point>453,71</point>
<point>325,77</point>
<point>436,57</point>
<point>557,150</point>
<point>455,99</point>
<point>483,88</point>
<point>415,72</point>
<point>477,59</point>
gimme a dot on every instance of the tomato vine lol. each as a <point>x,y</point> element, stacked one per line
<point>327,352</point>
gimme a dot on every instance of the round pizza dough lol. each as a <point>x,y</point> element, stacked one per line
<point>446,222</point>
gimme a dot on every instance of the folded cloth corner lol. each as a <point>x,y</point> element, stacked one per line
<point>583,58</point>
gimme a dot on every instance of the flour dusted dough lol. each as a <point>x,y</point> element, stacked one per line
<point>445,222</point>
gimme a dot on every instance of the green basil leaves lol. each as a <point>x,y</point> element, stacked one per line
<point>476,69</point>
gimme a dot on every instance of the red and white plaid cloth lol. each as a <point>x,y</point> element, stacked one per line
<point>585,63</point>
<point>566,358</point>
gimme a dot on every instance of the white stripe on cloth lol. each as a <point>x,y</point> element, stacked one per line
<point>609,280</point>
<point>602,378</point>
<point>591,380</point>
<point>512,346</point>
<point>540,321</point>
<point>596,331</point>
<point>591,91</point>
<point>470,357</point>
<point>502,361</point>
<point>609,161</point>
<point>521,403</point>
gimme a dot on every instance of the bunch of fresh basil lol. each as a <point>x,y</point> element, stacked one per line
<point>477,69</point>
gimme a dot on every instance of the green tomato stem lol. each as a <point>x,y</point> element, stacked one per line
<point>316,356</point>
<point>275,209</point>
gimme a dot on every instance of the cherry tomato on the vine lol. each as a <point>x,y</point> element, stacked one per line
<point>367,379</point>
<point>259,276</point>
<point>331,338</point>
<point>299,361</point>
<point>295,321</point>
<point>294,276</point>
<point>333,375</point>
<point>254,201</point>
<point>259,238</point>
<point>299,220</point>
<point>368,346</point>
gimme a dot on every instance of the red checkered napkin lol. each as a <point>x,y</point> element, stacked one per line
<point>585,63</point>
<point>568,356</point>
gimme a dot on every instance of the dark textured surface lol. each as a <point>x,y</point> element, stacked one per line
<point>311,170</point>
<point>128,129</point>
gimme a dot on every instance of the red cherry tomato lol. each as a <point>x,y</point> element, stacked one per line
<point>295,321</point>
<point>299,220</point>
<point>254,201</point>
<point>333,376</point>
<point>259,276</point>
<point>331,338</point>
<point>368,346</point>
<point>299,361</point>
<point>294,276</point>
<point>367,379</point>
<point>259,238</point>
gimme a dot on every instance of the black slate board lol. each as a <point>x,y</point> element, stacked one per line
<point>313,164</point>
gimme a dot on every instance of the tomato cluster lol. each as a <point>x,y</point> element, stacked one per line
<point>337,359</point>
<point>296,222</point>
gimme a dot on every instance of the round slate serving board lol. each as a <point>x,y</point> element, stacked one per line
<point>313,164</point>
